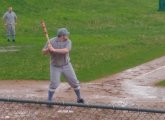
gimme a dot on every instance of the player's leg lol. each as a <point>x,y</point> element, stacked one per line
<point>55,74</point>
<point>71,78</point>
<point>13,32</point>
<point>8,32</point>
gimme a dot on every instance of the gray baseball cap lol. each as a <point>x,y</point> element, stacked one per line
<point>62,31</point>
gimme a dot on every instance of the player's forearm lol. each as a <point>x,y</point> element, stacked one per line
<point>4,20</point>
<point>45,51</point>
<point>15,20</point>
<point>61,51</point>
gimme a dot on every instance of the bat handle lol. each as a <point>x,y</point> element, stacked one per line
<point>47,37</point>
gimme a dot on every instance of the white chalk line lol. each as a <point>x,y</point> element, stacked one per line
<point>11,50</point>
<point>150,72</point>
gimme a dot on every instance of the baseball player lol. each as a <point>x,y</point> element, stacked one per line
<point>10,20</point>
<point>59,48</point>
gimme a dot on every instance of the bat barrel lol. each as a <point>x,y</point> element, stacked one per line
<point>44,27</point>
<point>45,30</point>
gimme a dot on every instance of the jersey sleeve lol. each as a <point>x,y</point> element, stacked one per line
<point>15,17</point>
<point>69,45</point>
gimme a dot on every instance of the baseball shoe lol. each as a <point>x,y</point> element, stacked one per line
<point>80,101</point>
<point>49,105</point>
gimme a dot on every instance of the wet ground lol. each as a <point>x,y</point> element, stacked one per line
<point>9,48</point>
<point>135,86</point>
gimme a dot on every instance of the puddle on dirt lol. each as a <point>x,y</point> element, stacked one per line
<point>141,87</point>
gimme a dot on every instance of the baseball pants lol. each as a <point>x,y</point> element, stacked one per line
<point>11,31</point>
<point>69,74</point>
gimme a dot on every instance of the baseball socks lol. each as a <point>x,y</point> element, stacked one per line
<point>77,91</point>
<point>79,99</point>
<point>50,95</point>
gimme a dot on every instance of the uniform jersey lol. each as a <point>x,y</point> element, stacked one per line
<point>10,17</point>
<point>58,59</point>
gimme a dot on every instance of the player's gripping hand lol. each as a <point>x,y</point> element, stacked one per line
<point>50,47</point>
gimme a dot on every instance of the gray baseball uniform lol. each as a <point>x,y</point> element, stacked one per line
<point>60,64</point>
<point>10,21</point>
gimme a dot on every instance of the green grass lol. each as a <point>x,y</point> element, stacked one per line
<point>161,83</point>
<point>108,36</point>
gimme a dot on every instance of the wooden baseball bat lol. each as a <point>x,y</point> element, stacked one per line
<point>43,25</point>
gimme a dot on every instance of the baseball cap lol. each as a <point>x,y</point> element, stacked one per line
<point>62,31</point>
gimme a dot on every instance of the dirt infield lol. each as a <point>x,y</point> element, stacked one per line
<point>130,87</point>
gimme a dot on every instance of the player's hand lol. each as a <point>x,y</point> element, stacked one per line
<point>50,47</point>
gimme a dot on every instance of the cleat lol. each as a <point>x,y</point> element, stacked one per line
<point>49,105</point>
<point>80,101</point>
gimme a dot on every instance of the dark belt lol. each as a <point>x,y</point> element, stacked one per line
<point>61,65</point>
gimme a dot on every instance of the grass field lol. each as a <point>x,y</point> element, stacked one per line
<point>108,36</point>
<point>161,83</point>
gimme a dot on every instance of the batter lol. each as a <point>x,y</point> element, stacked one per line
<point>59,48</point>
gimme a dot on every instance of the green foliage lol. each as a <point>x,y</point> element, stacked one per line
<point>108,36</point>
